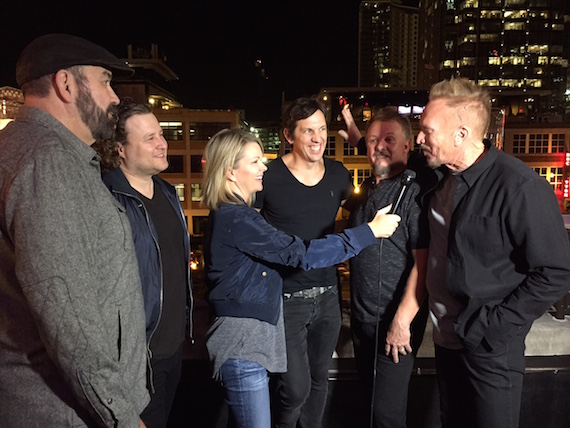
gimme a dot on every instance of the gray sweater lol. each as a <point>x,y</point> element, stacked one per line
<point>72,327</point>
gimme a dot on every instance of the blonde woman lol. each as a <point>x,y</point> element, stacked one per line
<point>246,340</point>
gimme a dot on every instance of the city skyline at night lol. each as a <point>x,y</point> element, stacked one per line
<point>213,47</point>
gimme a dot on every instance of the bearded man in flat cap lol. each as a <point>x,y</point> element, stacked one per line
<point>72,327</point>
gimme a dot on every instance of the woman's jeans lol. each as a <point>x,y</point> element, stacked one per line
<point>247,393</point>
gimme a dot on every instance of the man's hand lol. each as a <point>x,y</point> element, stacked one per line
<point>352,134</point>
<point>398,341</point>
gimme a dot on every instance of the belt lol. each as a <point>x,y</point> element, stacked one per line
<point>309,293</point>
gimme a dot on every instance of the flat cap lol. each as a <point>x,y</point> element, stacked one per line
<point>52,52</point>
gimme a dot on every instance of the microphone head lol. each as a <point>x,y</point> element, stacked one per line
<point>408,176</point>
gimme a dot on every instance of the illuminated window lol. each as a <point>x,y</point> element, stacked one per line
<point>541,49</point>
<point>552,174</point>
<point>196,192</point>
<point>514,60</point>
<point>514,26</point>
<point>470,38</point>
<point>180,191</point>
<point>534,83</point>
<point>466,61</point>
<point>491,14</point>
<point>559,61</point>
<point>512,83</point>
<point>494,60</point>
<point>515,14</point>
<point>172,131</point>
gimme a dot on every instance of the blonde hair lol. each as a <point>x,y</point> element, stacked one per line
<point>223,152</point>
<point>470,101</point>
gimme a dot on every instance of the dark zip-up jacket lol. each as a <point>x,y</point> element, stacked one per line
<point>242,251</point>
<point>146,244</point>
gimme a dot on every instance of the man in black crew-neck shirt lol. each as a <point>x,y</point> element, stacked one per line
<point>302,192</point>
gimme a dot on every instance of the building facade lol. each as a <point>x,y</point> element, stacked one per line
<point>10,101</point>
<point>387,44</point>
<point>518,48</point>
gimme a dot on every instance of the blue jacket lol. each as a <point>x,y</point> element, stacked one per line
<point>146,243</point>
<point>242,250</point>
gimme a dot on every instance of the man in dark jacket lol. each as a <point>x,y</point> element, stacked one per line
<point>499,256</point>
<point>161,242</point>
<point>388,279</point>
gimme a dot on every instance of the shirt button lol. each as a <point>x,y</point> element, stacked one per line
<point>264,273</point>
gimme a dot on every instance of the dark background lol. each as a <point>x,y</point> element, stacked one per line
<point>212,45</point>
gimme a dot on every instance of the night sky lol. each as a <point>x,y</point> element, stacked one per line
<point>212,45</point>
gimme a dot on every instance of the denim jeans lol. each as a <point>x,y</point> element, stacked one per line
<point>247,393</point>
<point>312,327</point>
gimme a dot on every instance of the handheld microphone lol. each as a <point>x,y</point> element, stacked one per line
<point>408,176</point>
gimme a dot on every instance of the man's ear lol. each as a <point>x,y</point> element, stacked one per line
<point>64,84</point>
<point>287,136</point>
<point>460,135</point>
<point>121,150</point>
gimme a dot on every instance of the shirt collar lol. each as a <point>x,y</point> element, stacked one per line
<point>68,138</point>
<point>472,174</point>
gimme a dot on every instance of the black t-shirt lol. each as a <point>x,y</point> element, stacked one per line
<point>169,333</point>
<point>306,211</point>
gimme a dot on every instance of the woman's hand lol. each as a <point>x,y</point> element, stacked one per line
<point>384,225</point>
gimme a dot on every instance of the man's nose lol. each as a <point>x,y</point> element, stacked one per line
<point>421,139</point>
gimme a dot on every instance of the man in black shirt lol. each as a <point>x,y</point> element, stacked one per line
<point>302,192</point>
<point>161,242</point>
<point>388,279</point>
<point>499,256</point>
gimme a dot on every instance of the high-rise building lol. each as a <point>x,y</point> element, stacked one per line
<point>518,48</point>
<point>387,44</point>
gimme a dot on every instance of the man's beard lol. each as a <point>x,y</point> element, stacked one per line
<point>433,163</point>
<point>94,117</point>
<point>382,171</point>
